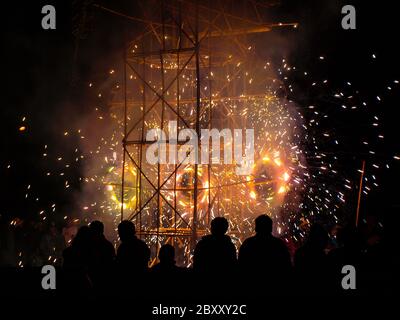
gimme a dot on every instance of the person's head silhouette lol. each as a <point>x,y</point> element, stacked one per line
<point>82,237</point>
<point>97,227</point>
<point>126,230</point>
<point>219,226</point>
<point>263,225</point>
<point>167,254</point>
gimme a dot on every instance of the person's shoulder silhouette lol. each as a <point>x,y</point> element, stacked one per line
<point>215,252</point>
<point>103,253</point>
<point>77,255</point>
<point>263,252</point>
<point>167,273</point>
<point>132,252</point>
<point>167,265</point>
<point>102,257</point>
<point>76,261</point>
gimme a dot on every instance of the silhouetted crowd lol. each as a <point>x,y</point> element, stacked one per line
<point>263,265</point>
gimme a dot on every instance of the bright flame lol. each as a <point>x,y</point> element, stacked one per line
<point>278,162</point>
<point>286,176</point>
<point>282,189</point>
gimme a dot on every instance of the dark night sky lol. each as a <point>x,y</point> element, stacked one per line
<point>40,77</point>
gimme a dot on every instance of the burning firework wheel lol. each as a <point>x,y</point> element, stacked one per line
<point>131,188</point>
<point>269,180</point>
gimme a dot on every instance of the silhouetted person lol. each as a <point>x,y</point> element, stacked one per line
<point>214,261</point>
<point>133,257</point>
<point>167,261</point>
<point>133,253</point>
<point>167,274</point>
<point>102,256</point>
<point>215,253</point>
<point>76,262</point>
<point>265,260</point>
<point>77,255</point>
<point>103,253</point>
<point>310,261</point>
